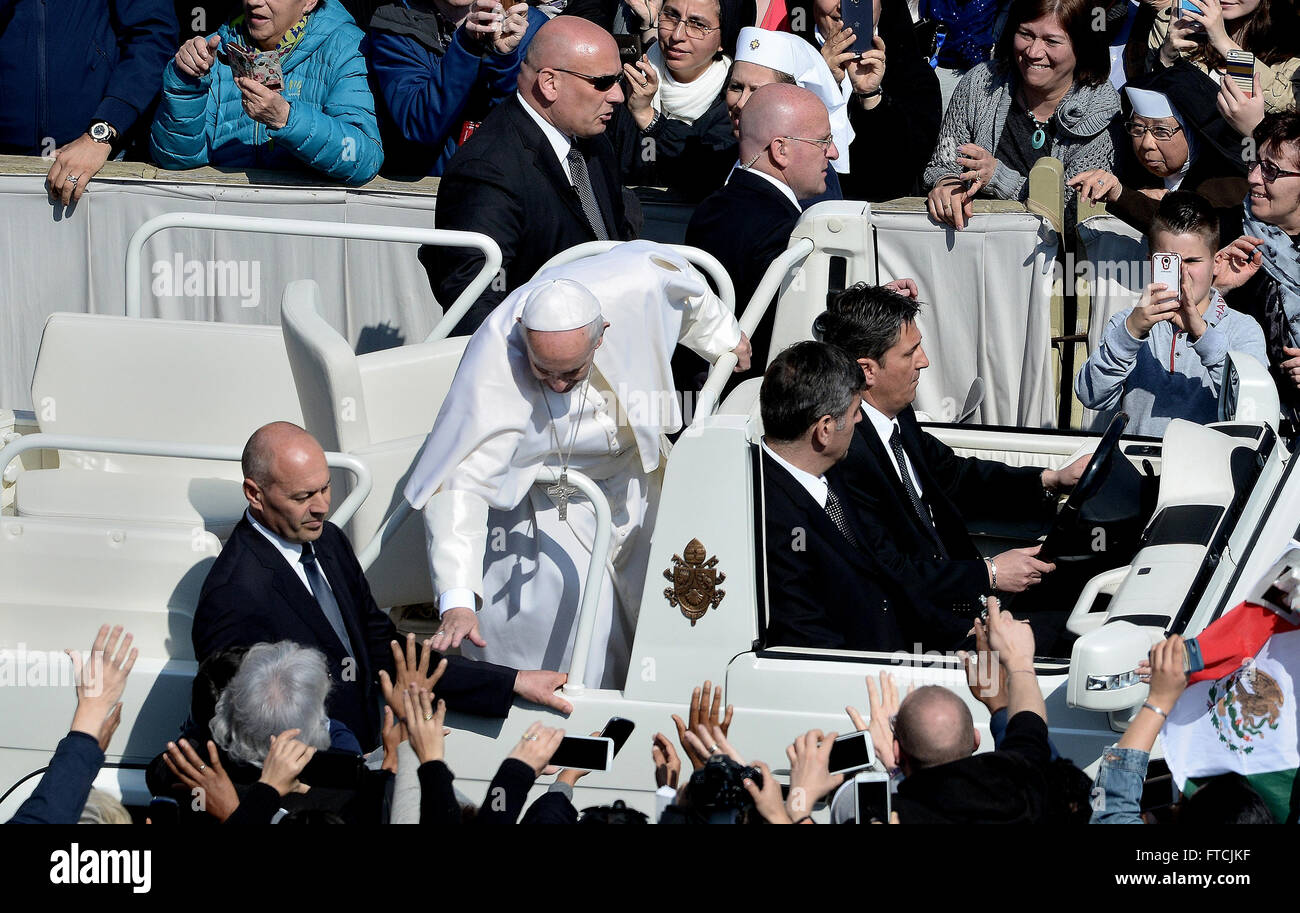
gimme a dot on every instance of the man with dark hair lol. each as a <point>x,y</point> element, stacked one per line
<point>825,589</point>
<point>287,574</point>
<point>935,741</point>
<point>913,493</point>
<point>539,176</point>
<point>1166,357</point>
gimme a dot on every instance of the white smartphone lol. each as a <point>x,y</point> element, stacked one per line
<point>852,752</point>
<point>584,752</point>
<point>871,798</point>
<point>1167,268</point>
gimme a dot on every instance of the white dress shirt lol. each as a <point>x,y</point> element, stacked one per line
<point>885,426</point>
<point>559,142</point>
<point>779,185</point>
<point>292,552</point>
<point>814,485</point>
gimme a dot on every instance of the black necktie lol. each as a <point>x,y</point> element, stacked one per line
<point>896,445</point>
<point>320,588</point>
<point>582,184</point>
<point>836,512</point>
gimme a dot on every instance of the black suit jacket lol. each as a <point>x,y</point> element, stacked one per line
<point>746,225</point>
<point>955,489</point>
<point>507,183</point>
<point>252,596</point>
<point>822,592</point>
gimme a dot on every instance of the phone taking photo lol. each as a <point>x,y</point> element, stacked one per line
<point>852,752</point>
<point>618,730</point>
<point>1240,68</point>
<point>859,15</point>
<point>872,801</point>
<point>1168,268</point>
<point>584,752</point>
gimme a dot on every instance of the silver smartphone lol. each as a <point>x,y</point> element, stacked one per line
<point>871,798</point>
<point>1167,268</point>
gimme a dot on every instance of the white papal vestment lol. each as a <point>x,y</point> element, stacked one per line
<point>494,533</point>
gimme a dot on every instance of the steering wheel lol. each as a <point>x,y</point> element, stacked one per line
<point>1090,482</point>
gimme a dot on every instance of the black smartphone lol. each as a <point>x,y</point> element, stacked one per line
<point>618,729</point>
<point>584,752</point>
<point>871,799</point>
<point>629,48</point>
<point>859,15</point>
<point>334,770</point>
<point>852,752</point>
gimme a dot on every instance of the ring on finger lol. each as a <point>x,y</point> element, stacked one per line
<point>530,738</point>
<point>428,716</point>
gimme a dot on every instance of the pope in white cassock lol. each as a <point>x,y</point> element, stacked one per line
<point>571,371</point>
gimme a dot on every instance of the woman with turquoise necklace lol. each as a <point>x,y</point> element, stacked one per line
<point>1045,92</point>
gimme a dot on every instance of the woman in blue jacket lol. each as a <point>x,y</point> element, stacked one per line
<point>323,118</point>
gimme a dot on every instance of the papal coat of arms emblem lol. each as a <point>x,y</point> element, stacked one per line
<point>694,582</point>
<point>1243,706</point>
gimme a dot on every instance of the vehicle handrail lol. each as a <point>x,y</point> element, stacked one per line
<point>43,441</point>
<point>595,570</point>
<point>791,259</point>
<point>701,258</point>
<point>312,228</point>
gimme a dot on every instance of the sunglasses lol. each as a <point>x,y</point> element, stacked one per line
<point>1270,172</point>
<point>599,83</point>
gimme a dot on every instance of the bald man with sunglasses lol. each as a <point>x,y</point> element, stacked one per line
<point>539,176</point>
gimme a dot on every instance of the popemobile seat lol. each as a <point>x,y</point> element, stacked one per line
<point>378,407</point>
<point>173,381</point>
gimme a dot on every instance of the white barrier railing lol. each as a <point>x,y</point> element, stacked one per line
<point>790,260</point>
<point>41,441</point>
<point>438,237</point>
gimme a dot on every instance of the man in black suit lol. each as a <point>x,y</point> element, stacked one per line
<point>287,574</point>
<point>539,176</point>
<point>917,523</point>
<point>785,150</point>
<point>824,590</point>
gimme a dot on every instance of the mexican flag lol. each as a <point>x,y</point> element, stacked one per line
<point>1239,714</point>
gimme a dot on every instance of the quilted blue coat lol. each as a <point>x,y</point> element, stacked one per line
<point>331,128</point>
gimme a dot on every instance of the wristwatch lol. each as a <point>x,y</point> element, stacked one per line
<point>101,131</point>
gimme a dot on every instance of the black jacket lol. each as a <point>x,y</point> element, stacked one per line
<point>252,596</point>
<point>746,225</point>
<point>507,183</point>
<point>956,489</point>
<point>1007,786</point>
<point>893,141</point>
<point>822,592</point>
<point>691,159</point>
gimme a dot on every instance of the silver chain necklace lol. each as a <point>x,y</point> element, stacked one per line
<point>561,491</point>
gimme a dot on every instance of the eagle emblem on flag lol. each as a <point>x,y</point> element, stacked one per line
<point>1244,705</point>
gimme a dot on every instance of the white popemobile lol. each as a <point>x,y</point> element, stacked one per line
<point>118,497</point>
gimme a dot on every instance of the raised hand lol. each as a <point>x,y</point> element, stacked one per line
<point>284,761</point>
<point>209,782</point>
<point>409,672</point>
<point>100,683</point>
<point>196,56</point>
<point>1237,263</point>
<point>424,724</point>
<point>702,713</point>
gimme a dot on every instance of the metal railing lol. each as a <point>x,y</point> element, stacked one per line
<point>438,237</point>
<point>43,441</point>
<point>589,605</point>
<point>790,260</point>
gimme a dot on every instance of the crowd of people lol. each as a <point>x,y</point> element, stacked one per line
<point>538,118</point>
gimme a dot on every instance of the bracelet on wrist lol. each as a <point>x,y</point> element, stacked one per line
<point>872,94</point>
<point>803,819</point>
<point>993,574</point>
<point>1147,705</point>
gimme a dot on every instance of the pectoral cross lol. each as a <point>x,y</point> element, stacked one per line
<point>560,492</point>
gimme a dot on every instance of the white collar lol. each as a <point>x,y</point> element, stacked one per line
<point>883,424</point>
<point>292,551</point>
<point>559,142</point>
<point>814,485</point>
<point>779,185</point>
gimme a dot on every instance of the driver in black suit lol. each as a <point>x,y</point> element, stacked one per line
<point>917,524</point>
<point>825,589</point>
<point>259,590</point>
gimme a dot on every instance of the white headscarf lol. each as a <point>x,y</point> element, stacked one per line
<point>791,55</point>
<point>1147,103</point>
<point>685,101</point>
